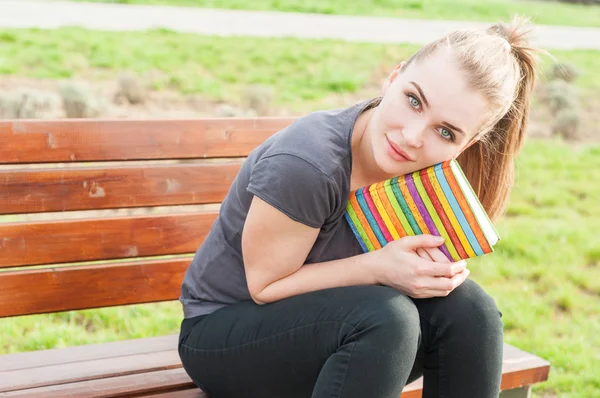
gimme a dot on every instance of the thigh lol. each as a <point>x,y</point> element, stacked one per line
<point>277,349</point>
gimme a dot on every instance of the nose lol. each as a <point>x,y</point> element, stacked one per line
<point>413,136</point>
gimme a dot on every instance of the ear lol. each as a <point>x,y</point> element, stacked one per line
<point>390,79</point>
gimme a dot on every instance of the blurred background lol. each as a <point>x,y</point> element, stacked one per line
<point>96,62</point>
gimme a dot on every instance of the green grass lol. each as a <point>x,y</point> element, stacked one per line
<point>543,12</point>
<point>216,67</point>
<point>220,67</point>
<point>546,270</point>
<point>71,328</point>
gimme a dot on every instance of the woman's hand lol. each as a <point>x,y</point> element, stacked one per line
<point>415,266</point>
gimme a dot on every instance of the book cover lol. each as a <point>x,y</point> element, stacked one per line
<point>437,200</point>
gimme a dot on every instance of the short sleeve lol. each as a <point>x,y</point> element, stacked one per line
<point>295,187</point>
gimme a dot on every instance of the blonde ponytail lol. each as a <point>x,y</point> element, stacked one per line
<point>489,163</point>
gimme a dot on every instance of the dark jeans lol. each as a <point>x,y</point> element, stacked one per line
<point>358,341</point>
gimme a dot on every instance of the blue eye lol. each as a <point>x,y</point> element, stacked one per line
<point>413,101</point>
<point>446,134</point>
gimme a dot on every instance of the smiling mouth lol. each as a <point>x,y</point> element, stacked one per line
<point>397,150</point>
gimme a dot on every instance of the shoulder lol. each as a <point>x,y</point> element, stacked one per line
<point>320,139</point>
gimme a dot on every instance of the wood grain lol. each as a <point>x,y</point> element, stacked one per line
<point>94,286</point>
<point>123,386</point>
<point>520,368</point>
<point>35,141</point>
<point>89,370</point>
<point>65,189</point>
<point>82,353</point>
<point>53,242</point>
<point>192,393</point>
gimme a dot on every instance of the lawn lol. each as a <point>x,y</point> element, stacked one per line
<point>543,12</point>
<point>297,70</point>
<point>545,274</point>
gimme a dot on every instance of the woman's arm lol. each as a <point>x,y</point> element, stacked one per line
<point>274,249</point>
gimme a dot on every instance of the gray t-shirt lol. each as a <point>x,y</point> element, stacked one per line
<point>302,170</point>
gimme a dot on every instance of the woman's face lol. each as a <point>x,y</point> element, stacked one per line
<point>428,112</point>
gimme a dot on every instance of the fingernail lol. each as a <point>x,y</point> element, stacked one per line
<point>439,239</point>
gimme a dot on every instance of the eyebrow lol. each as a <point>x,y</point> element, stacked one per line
<point>427,104</point>
<point>420,93</point>
<point>454,128</point>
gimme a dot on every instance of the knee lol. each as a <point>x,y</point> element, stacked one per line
<point>469,309</point>
<point>392,314</point>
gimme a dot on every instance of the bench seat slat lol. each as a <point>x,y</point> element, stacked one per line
<point>519,368</point>
<point>191,393</point>
<point>41,190</point>
<point>89,370</point>
<point>39,141</point>
<point>88,352</point>
<point>102,285</point>
<point>70,241</point>
<point>121,386</point>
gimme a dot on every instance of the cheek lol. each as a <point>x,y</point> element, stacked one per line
<point>393,113</point>
<point>436,151</point>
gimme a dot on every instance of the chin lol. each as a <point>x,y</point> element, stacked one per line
<point>389,166</point>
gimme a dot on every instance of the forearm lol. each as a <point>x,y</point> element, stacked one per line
<point>350,271</point>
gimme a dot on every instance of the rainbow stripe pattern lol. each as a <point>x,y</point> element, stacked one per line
<point>437,200</point>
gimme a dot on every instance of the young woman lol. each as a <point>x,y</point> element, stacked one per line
<point>280,301</point>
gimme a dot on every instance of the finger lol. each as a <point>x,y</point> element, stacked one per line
<point>424,254</point>
<point>424,240</point>
<point>446,270</point>
<point>456,280</point>
<point>455,269</point>
<point>442,283</point>
<point>441,286</point>
<point>437,255</point>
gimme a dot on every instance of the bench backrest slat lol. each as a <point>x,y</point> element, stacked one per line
<point>93,286</point>
<point>109,187</point>
<point>38,141</point>
<point>96,239</point>
<point>44,168</point>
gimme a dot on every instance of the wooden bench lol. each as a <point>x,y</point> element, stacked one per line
<point>84,168</point>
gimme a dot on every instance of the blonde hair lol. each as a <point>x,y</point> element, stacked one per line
<point>502,66</point>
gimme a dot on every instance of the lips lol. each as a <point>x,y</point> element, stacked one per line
<point>397,149</point>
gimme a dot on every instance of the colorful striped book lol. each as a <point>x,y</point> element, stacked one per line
<point>437,200</point>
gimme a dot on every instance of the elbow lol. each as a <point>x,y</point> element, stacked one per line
<point>257,300</point>
<point>257,285</point>
<point>260,288</point>
<point>257,296</point>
